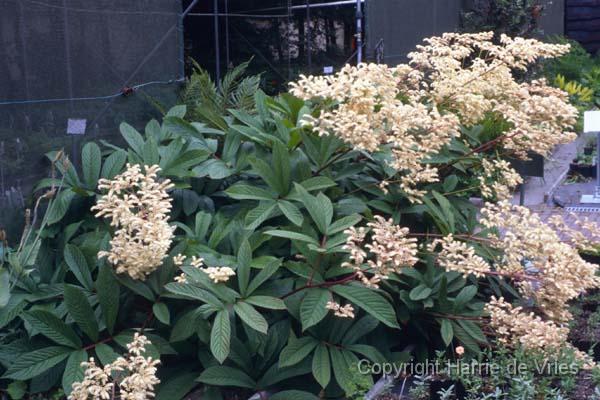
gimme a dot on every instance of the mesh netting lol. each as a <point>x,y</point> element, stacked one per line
<point>72,59</point>
<point>73,70</point>
<point>274,34</point>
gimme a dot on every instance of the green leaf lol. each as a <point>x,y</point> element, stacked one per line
<point>321,366</point>
<point>293,236</point>
<point>266,172</point>
<point>473,330</point>
<point>312,309</point>
<point>16,390</point>
<point>251,317</point>
<point>319,208</point>
<point>4,287</point>
<point>244,260</point>
<point>113,164</point>
<point>202,224</point>
<point>220,336</point>
<point>60,206</point>
<point>368,351</point>
<point>108,292</point>
<point>16,304</point>
<point>260,214</point>
<point>105,353</point>
<point>341,370</point>
<point>215,169</point>
<point>193,292</point>
<point>438,216</point>
<point>74,371</point>
<point>177,387</point>
<point>161,312</point>
<point>317,183</point>
<point>343,224</point>
<point>296,351</point>
<point>150,154</point>
<point>370,301</point>
<point>241,191</point>
<point>35,363</point>
<point>446,208</point>
<point>293,395</point>
<point>180,127</point>
<point>272,303</point>
<point>463,337</point>
<point>450,183</point>
<point>136,286</point>
<point>281,167</point>
<point>185,326</point>
<point>420,292</point>
<point>275,374</point>
<point>446,331</point>
<point>132,137</point>
<point>91,161</point>
<point>359,329</point>
<point>265,273</point>
<point>78,265</point>
<point>81,311</point>
<point>464,296</point>
<point>291,212</point>
<point>53,328</point>
<point>226,376</point>
<point>178,111</point>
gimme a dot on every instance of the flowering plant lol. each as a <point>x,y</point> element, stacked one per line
<point>332,224</point>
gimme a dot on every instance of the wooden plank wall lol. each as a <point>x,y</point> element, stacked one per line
<point>582,23</point>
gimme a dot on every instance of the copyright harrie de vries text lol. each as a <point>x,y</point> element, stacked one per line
<point>472,367</point>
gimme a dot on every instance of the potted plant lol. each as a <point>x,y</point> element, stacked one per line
<point>585,165</point>
<point>591,255</point>
<point>590,146</point>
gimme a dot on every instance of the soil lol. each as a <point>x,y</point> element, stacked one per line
<point>585,387</point>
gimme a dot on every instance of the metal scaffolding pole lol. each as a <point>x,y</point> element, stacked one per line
<point>308,37</point>
<point>227,60</point>
<point>359,30</point>
<point>289,38</point>
<point>217,44</point>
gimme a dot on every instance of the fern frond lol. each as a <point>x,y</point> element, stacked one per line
<point>243,97</point>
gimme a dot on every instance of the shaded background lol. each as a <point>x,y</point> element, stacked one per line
<point>78,59</point>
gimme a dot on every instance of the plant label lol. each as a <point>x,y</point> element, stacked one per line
<point>591,121</point>
<point>76,126</point>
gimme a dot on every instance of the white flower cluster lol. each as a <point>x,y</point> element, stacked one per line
<point>458,256</point>
<point>416,109</point>
<point>217,274</point>
<point>138,206</point>
<point>498,179</point>
<point>345,311</point>
<point>544,268</point>
<point>370,112</point>
<point>130,378</point>
<point>390,248</point>
<point>584,236</point>
<point>530,247</point>
<point>515,327</point>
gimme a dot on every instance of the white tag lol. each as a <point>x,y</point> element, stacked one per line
<point>591,121</point>
<point>328,70</point>
<point>76,126</point>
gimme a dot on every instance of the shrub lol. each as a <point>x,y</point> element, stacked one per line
<point>321,228</point>
<point>514,18</point>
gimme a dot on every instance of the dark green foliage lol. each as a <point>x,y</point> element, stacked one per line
<point>209,101</point>
<point>511,17</point>
<point>264,195</point>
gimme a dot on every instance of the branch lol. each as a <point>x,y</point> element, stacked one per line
<point>320,285</point>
